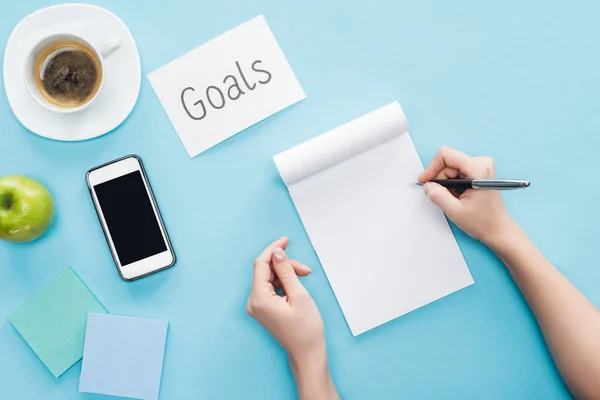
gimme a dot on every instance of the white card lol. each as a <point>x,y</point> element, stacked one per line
<point>226,85</point>
<point>386,249</point>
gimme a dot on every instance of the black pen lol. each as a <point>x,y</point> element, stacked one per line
<point>489,184</point>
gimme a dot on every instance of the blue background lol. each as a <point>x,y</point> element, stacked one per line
<point>519,81</point>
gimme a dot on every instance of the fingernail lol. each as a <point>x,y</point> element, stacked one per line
<point>279,255</point>
<point>420,178</point>
<point>426,187</point>
<point>307,267</point>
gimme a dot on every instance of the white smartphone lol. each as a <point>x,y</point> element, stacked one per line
<point>130,218</point>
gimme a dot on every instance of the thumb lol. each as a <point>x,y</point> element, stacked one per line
<point>439,195</point>
<point>285,272</point>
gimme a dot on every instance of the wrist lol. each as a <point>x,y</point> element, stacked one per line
<point>508,231</point>
<point>309,361</point>
<point>311,373</point>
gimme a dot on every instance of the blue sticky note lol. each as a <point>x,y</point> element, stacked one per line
<point>123,356</point>
<point>53,320</point>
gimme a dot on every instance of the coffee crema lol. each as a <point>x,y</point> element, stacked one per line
<point>68,74</point>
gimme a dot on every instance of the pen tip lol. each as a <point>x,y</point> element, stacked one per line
<point>526,184</point>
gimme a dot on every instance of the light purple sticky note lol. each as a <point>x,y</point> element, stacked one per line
<point>123,356</point>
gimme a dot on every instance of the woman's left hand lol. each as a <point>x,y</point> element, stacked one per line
<point>293,318</point>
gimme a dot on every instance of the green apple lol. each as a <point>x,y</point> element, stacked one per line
<point>26,208</point>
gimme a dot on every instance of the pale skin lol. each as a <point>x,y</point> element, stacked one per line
<point>569,322</point>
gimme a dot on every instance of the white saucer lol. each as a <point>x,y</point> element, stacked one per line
<point>122,72</point>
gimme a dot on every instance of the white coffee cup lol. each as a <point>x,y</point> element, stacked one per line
<point>31,68</point>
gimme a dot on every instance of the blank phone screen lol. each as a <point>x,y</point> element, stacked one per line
<point>130,218</point>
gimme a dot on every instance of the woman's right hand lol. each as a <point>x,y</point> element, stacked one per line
<point>480,213</point>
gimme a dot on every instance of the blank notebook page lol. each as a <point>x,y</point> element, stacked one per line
<point>386,249</point>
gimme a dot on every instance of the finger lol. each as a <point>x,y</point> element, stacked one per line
<point>285,272</point>
<point>262,264</point>
<point>446,157</point>
<point>301,269</point>
<point>448,173</point>
<point>439,195</point>
<point>266,254</point>
<point>484,167</point>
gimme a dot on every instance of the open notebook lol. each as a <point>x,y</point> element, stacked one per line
<point>386,249</point>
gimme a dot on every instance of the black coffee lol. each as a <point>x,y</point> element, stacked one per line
<point>69,74</point>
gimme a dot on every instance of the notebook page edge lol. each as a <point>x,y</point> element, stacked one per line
<point>341,143</point>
